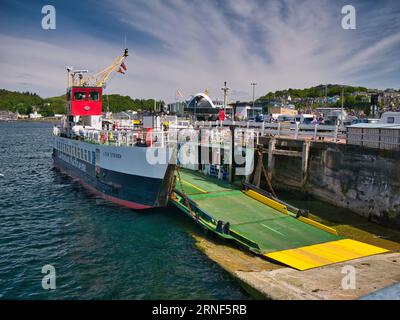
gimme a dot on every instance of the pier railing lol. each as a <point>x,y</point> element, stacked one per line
<point>292,130</point>
<point>219,134</point>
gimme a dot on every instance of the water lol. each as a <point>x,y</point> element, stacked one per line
<point>99,251</point>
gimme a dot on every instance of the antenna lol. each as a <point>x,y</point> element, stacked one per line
<point>225,89</point>
<point>253,84</point>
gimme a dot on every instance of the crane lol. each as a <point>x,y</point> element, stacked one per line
<point>97,80</point>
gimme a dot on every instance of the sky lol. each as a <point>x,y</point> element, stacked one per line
<point>193,45</point>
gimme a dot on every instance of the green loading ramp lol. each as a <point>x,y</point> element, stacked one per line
<point>261,224</point>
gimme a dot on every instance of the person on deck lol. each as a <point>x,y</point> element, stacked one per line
<point>315,120</point>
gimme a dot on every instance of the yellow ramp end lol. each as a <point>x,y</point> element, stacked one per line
<point>324,254</point>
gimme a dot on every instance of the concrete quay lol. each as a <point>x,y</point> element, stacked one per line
<point>264,279</point>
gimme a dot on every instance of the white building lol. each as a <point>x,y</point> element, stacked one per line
<point>35,115</point>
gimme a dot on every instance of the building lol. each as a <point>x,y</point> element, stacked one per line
<point>245,111</point>
<point>177,107</point>
<point>390,98</point>
<point>35,115</point>
<point>125,118</point>
<point>201,107</point>
<point>8,115</point>
<point>283,110</point>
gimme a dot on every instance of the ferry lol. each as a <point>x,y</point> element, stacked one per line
<point>110,162</point>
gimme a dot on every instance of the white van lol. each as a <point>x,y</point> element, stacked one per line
<point>390,118</point>
<point>304,118</point>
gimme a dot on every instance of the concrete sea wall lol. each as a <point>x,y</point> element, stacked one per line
<point>364,180</point>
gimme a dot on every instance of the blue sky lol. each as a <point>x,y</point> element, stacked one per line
<point>193,45</point>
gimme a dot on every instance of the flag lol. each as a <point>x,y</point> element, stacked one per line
<point>123,66</point>
<point>120,71</point>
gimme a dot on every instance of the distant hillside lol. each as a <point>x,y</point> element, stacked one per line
<point>25,102</point>
<point>116,103</point>
<point>19,101</point>
<point>314,92</point>
<point>53,105</point>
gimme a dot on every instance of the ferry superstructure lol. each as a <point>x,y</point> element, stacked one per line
<point>111,163</point>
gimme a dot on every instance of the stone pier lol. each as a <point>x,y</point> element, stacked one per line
<point>363,180</point>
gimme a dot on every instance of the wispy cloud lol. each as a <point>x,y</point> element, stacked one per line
<point>195,45</point>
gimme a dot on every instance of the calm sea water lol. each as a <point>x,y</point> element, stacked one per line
<point>99,251</point>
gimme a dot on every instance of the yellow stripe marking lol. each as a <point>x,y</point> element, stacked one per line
<point>325,253</point>
<point>267,201</point>
<point>192,185</point>
<point>318,225</point>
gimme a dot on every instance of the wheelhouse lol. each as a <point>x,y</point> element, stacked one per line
<point>84,101</point>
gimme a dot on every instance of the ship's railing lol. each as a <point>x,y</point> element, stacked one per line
<point>221,137</point>
<point>128,138</point>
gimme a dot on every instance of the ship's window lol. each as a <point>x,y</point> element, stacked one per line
<point>94,95</point>
<point>80,95</point>
<point>81,153</point>
<point>97,157</point>
<point>85,153</point>
<point>89,156</point>
<point>390,120</point>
